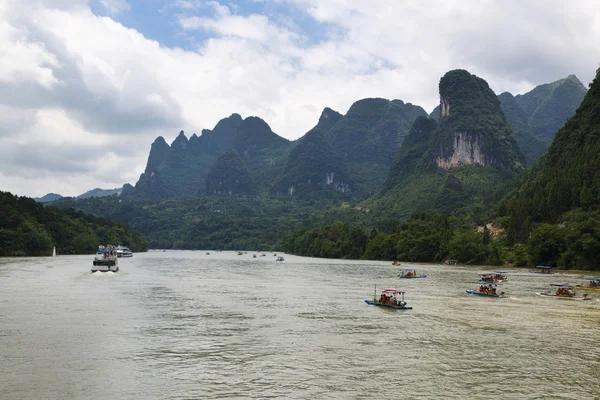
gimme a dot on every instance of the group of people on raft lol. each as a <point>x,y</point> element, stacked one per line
<point>489,289</point>
<point>392,301</point>
<point>565,291</point>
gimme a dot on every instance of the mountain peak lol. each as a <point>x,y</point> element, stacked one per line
<point>159,152</point>
<point>473,129</point>
<point>180,141</point>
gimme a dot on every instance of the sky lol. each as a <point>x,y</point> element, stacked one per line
<point>87,85</point>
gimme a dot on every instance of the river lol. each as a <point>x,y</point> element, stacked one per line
<point>186,325</point>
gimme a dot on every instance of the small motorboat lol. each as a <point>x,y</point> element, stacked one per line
<point>564,291</point>
<point>388,298</point>
<point>410,273</point>
<point>106,259</point>
<point>280,259</point>
<point>592,284</point>
<point>486,290</point>
<point>239,253</point>
<point>207,253</point>
<point>543,270</point>
<point>395,262</point>
<point>253,255</point>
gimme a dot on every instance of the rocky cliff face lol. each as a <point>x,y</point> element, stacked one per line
<point>464,148</point>
<point>463,158</point>
<point>473,129</point>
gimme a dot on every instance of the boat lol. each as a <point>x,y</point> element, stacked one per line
<point>564,291</point>
<point>592,284</point>
<point>388,298</point>
<point>451,262</point>
<point>395,262</point>
<point>543,269</point>
<point>253,255</point>
<point>410,273</point>
<point>493,277</point>
<point>486,290</point>
<point>123,251</point>
<point>207,253</point>
<point>239,253</point>
<point>280,259</point>
<point>106,259</point>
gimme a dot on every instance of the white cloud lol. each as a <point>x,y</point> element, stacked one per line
<point>84,96</point>
<point>115,7</point>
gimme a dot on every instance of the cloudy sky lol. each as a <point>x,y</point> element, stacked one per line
<point>86,85</point>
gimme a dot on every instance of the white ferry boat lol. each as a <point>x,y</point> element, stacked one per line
<point>106,259</point>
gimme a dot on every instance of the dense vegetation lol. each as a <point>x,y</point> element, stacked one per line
<point>548,106</point>
<point>27,228</point>
<point>230,175</point>
<point>424,237</point>
<point>562,188</point>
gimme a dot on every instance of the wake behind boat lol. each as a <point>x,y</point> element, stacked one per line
<point>389,298</point>
<point>106,259</point>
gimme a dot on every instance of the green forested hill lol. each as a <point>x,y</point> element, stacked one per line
<point>456,163</point>
<point>314,167</point>
<point>558,203</point>
<point>181,169</point>
<point>229,175</point>
<point>369,136</point>
<point>531,146</point>
<point>548,106</point>
<point>27,228</point>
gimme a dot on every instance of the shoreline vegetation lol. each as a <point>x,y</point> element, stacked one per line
<point>28,228</point>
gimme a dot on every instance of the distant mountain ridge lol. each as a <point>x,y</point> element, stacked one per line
<point>354,152</point>
<point>90,193</point>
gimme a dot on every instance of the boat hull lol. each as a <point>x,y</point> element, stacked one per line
<point>587,288</point>
<point>412,277</point>
<point>109,263</point>
<point>388,307</point>
<point>474,293</point>
<point>563,297</point>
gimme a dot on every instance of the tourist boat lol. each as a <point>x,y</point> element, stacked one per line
<point>564,291</point>
<point>493,277</point>
<point>592,284</point>
<point>106,259</point>
<point>410,273</point>
<point>486,290</point>
<point>123,251</point>
<point>279,259</point>
<point>395,262</point>
<point>543,269</point>
<point>239,253</point>
<point>389,298</point>
<point>451,262</point>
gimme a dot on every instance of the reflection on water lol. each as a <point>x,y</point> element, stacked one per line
<point>179,325</point>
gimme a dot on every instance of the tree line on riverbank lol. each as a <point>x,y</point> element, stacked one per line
<point>28,228</point>
<point>434,237</point>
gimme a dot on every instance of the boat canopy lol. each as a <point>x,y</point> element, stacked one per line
<point>543,266</point>
<point>409,269</point>
<point>591,278</point>
<point>391,291</point>
<point>561,284</point>
<point>487,283</point>
<point>102,251</point>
